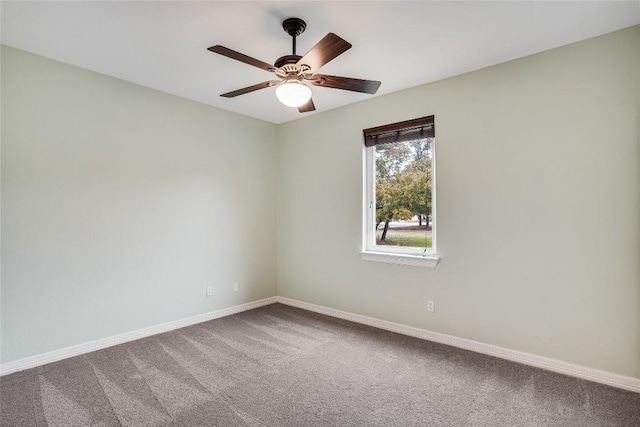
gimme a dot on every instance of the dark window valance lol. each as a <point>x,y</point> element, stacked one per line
<point>409,130</point>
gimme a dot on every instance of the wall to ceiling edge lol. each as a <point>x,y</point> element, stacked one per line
<point>121,205</point>
<point>538,184</point>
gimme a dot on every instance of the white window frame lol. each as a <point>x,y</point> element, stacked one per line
<point>403,255</point>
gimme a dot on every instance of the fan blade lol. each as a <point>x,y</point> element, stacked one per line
<point>307,107</point>
<point>345,83</point>
<point>221,50</point>
<point>259,86</point>
<point>326,50</point>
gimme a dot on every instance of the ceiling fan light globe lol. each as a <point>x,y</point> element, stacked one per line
<point>293,94</point>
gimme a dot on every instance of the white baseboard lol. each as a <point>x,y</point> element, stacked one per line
<point>578,371</point>
<point>76,350</point>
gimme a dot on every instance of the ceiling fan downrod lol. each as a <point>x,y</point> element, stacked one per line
<point>294,27</point>
<point>286,65</point>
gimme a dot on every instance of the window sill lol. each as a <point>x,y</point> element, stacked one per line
<point>429,261</point>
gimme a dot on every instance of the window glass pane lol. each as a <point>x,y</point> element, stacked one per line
<point>403,174</point>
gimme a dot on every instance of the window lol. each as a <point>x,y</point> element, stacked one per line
<point>399,210</point>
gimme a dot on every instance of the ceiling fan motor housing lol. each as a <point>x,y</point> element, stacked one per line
<point>287,59</point>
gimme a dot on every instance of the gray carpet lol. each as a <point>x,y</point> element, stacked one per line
<point>282,366</point>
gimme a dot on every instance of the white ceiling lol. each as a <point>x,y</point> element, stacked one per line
<point>162,45</point>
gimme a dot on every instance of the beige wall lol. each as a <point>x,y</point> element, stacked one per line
<point>538,206</point>
<point>121,204</point>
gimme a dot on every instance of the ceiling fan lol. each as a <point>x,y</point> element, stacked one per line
<point>295,70</point>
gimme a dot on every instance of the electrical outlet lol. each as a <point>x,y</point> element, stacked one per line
<point>235,287</point>
<point>431,306</point>
<point>209,291</point>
